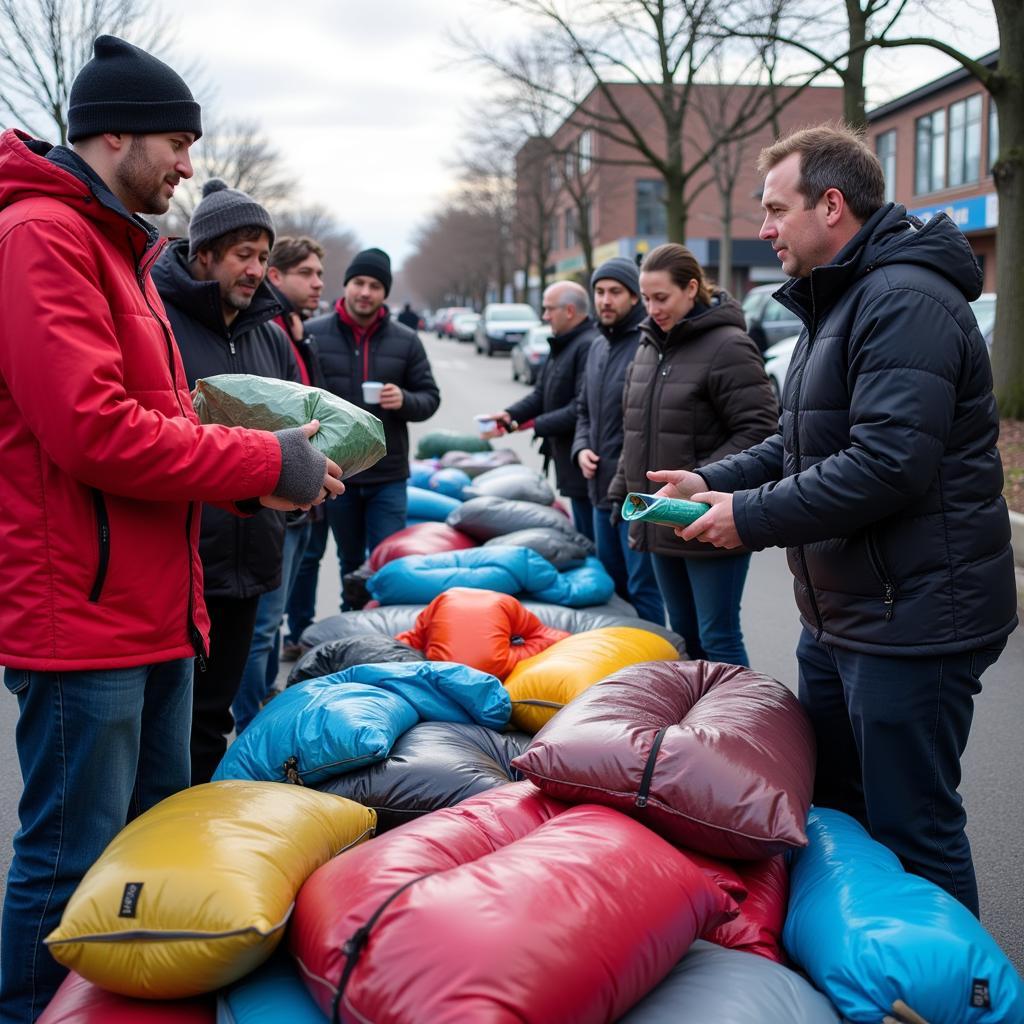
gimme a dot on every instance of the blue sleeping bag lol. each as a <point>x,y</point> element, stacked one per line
<point>427,506</point>
<point>868,933</point>
<point>421,470</point>
<point>418,579</point>
<point>271,994</point>
<point>450,482</point>
<point>327,726</point>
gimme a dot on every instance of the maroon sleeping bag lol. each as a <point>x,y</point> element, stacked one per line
<point>716,758</point>
<point>509,907</point>
<point>419,539</point>
<point>78,1001</point>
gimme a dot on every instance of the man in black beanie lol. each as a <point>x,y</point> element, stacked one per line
<point>103,465</point>
<point>359,342</point>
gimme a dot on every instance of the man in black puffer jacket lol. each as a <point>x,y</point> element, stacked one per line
<point>885,484</point>
<point>221,310</point>
<point>359,342</point>
<point>597,444</point>
<point>550,408</point>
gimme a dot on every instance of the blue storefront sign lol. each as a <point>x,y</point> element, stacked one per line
<point>974,214</point>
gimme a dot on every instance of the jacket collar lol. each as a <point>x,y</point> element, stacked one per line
<point>626,326</point>
<point>559,342</point>
<point>201,299</point>
<point>346,318</point>
<point>723,311</point>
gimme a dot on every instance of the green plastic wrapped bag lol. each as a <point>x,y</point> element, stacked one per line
<point>663,511</point>
<point>350,436</point>
<point>440,442</point>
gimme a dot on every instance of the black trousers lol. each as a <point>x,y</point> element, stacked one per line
<point>891,732</point>
<point>232,621</point>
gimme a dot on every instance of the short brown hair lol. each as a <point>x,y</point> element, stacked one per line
<point>681,266</point>
<point>220,245</point>
<point>290,252</point>
<point>832,156</point>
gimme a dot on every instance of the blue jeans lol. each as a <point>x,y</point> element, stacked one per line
<point>583,516</point>
<point>301,603</point>
<point>261,666</point>
<point>363,516</point>
<point>630,570</point>
<point>890,734</point>
<point>96,749</point>
<point>702,596</point>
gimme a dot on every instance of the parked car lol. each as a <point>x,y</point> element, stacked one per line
<point>502,325</point>
<point>531,353</point>
<point>984,309</point>
<point>443,320</point>
<point>768,320</point>
<point>776,363</point>
<point>464,326</point>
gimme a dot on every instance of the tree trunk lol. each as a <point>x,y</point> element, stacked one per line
<point>725,245</point>
<point>854,108</point>
<point>1008,341</point>
<point>675,210</point>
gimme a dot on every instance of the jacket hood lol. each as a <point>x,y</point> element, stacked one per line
<point>724,311</point>
<point>201,299</point>
<point>30,168</point>
<point>627,325</point>
<point>891,236</point>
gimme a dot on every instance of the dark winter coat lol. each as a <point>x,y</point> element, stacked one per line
<point>599,407</point>
<point>885,482</point>
<point>305,349</point>
<point>241,556</point>
<point>692,396</point>
<point>552,405</point>
<point>395,356</point>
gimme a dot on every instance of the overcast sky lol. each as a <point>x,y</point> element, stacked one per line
<point>366,100</point>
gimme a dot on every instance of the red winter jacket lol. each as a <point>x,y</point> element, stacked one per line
<point>101,455</point>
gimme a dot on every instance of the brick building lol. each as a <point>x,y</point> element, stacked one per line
<point>624,204</point>
<point>937,145</point>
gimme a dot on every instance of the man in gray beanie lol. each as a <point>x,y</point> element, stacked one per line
<point>222,310</point>
<point>103,466</point>
<point>599,430</point>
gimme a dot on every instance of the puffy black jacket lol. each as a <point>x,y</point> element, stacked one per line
<point>599,407</point>
<point>693,395</point>
<point>241,556</point>
<point>885,482</point>
<point>396,356</point>
<point>552,405</point>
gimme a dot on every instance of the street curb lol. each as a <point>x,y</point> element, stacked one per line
<point>1017,543</point>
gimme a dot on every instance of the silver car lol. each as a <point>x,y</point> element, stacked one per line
<point>502,325</point>
<point>531,353</point>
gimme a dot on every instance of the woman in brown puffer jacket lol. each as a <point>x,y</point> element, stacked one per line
<point>695,392</point>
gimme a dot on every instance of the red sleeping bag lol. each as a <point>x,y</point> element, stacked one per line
<point>419,539</point>
<point>483,629</point>
<point>507,908</point>
<point>78,1001</point>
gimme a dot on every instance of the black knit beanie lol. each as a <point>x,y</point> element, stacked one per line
<point>621,269</point>
<point>221,210</point>
<point>125,89</point>
<point>375,263</point>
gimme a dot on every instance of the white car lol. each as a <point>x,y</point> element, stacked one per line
<point>776,363</point>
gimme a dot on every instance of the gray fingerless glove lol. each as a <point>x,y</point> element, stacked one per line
<point>302,468</point>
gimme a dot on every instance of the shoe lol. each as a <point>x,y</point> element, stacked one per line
<point>290,652</point>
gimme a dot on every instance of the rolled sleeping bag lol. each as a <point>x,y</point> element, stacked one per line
<point>422,539</point>
<point>450,482</point>
<point>515,487</point>
<point>439,442</point>
<point>487,517</point>
<point>272,994</point>
<point>512,469</point>
<point>563,550</point>
<point>361,649</point>
<point>477,463</point>
<point>429,506</point>
<point>78,1001</point>
<point>421,470</point>
<point>674,512</point>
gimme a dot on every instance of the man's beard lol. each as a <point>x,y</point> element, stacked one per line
<point>140,181</point>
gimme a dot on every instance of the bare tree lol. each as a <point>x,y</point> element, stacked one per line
<point>45,43</point>
<point>340,243</point>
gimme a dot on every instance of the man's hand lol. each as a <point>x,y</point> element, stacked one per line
<point>587,460</point>
<point>391,397</point>
<point>678,483</point>
<point>717,525</point>
<point>502,419</point>
<point>332,485</point>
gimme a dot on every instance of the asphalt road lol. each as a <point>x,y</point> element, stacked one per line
<point>993,785</point>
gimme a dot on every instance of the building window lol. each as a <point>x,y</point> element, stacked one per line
<point>554,177</point>
<point>570,229</point>
<point>965,141</point>
<point>993,133</point>
<point>885,145</point>
<point>553,232</point>
<point>930,154</point>
<point>651,216</point>
<point>586,151</point>
<point>570,165</point>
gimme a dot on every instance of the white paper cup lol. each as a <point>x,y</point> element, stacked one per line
<point>371,391</point>
<point>484,424</point>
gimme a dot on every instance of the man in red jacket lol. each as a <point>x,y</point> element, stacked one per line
<point>102,464</point>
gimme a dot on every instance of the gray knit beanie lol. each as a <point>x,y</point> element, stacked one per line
<point>621,269</point>
<point>221,210</point>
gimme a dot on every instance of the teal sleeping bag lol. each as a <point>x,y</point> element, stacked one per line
<point>418,579</point>
<point>327,726</point>
<point>272,994</point>
<point>868,933</point>
<point>426,506</point>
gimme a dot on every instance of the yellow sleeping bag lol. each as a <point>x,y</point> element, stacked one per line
<point>541,685</point>
<point>196,892</point>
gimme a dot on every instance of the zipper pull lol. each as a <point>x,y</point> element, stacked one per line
<point>231,345</point>
<point>197,646</point>
<point>889,600</point>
